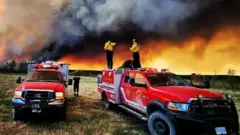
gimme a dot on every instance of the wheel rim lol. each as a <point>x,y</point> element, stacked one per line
<point>161,127</point>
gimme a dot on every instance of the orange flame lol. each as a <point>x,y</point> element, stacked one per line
<point>196,54</point>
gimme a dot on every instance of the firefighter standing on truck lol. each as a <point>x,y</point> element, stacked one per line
<point>109,53</point>
<point>136,56</point>
<point>76,79</point>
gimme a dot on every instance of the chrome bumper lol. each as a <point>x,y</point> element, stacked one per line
<point>20,102</point>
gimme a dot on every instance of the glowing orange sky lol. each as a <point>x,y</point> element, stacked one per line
<point>196,54</point>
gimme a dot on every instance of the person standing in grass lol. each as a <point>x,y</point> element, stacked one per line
<point>76,80</point>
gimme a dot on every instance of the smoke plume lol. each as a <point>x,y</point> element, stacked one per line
<point>50,29</point>
<point>25,27</point>
<point>81,18</point>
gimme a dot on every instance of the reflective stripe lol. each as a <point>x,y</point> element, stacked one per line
<point>131,103</point>
<point>108,85</point>
<point>104,89</point>
<point>111,100</point>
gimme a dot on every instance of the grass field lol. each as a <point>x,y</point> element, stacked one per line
<point>86,115</point>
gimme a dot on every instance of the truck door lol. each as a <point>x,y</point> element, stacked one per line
<point>140,92</point>
<point>126,94</point>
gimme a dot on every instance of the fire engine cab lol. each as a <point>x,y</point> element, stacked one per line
<point>168,103</point>
<point>43,89</point>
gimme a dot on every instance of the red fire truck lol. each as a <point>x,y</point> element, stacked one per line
<point>168,103</point>
<point>43,89</point>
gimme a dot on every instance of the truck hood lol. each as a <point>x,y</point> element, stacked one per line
<point>183,93</point>
<point>57,87</point>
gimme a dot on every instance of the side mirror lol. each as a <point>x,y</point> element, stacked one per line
<point>131,81</point>
<point>207,84</point>
<point>70,81</point>
<point>199,82</point>
<point>19,80</point>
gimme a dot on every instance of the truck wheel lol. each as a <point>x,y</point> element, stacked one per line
<point>160,124</point>
<point>15,115</point>
<point>107,104</point>
<point>63,112</point>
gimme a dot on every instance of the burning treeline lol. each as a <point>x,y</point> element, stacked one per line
<point>195,54</point>
<point>185,36</point>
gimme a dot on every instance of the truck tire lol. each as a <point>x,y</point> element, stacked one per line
<point>15,115</point>
<point>160,124</point>
<point>107,104</point>
<point>63,112</point>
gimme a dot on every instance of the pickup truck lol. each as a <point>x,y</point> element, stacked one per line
<point>44,89</point>
<point>168,103</point>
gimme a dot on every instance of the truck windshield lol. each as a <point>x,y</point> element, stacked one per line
<point>43,76</point>
<point>166,80</point>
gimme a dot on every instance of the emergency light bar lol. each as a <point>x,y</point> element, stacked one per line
<point>46,66</point>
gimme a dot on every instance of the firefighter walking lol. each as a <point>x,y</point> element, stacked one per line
<point>76,79</point>
<point>109,53</point>
<point>136,56</point>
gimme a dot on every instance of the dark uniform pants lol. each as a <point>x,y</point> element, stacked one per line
<point>136,60</point>
<point>76,88</point>
<point>109,59</point>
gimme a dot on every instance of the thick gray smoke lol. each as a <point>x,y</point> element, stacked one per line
<point>26,27</point>
<point>98,16</point>
<point>29,27</point>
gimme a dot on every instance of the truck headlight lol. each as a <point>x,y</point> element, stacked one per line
<point>59,95</point>
<point>178,106</point>
<point>17,94</point>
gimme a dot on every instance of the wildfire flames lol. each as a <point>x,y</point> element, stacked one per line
<point>71,31</point>
<point>196,54</point>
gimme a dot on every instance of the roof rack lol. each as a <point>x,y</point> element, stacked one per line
<point>147,69</point>
<point>164,70</point>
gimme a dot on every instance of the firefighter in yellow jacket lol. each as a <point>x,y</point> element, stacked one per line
<point>136,56</point>
<point>109,53</point>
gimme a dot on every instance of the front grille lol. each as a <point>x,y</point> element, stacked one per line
<point>211,107</point>
<point>38,95</point>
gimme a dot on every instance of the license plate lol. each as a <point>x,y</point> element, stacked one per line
<point>35,106</point>
<point>221,130</point>
<point>36,110</point>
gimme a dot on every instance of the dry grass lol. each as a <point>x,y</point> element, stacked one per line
<point>86,115</point>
